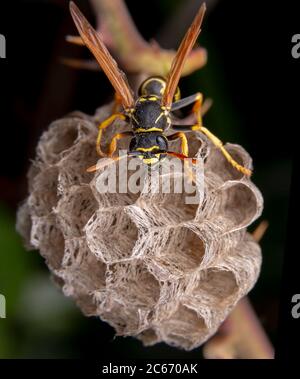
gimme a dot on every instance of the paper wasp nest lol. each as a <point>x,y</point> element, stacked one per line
<point>150,265</point>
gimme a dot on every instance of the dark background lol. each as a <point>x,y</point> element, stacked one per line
<point>246,76</point>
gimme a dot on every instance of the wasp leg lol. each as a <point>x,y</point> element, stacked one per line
<point>104,124</point>
<point>180,156</point>
<point>215,140</point>
<point>113,143</point>
<point>184,151</point>
<point>184,159</point>
<point>117,103</point>
<point>183,140</point>
<point>111,150</point>
<point>197,110</point>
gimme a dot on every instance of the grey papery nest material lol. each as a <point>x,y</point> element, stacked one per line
<point>150,265</point>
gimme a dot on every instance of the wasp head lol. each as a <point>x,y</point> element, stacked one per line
<point>150,147</point>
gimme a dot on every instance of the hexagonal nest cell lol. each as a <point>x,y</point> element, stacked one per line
<point>149,264</point>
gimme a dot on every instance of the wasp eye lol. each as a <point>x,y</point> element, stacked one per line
<point>162,142</point>
<point>133,144</point>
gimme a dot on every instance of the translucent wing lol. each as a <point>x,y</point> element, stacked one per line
<point>93,41</point>
<point>180,58</point>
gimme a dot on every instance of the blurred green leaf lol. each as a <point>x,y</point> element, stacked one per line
<point>14,259</point>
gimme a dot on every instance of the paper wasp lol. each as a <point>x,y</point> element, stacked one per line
<point>149,115</point>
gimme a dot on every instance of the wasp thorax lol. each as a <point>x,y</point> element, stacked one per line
<point>149,116</point>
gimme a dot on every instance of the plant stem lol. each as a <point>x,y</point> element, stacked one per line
<point>132,52</point>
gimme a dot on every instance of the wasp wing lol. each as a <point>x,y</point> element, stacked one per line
<point>180,57</point>
<point>92,40</point>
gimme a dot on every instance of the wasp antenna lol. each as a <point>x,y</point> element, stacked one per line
<point>92,168</point>
<point>105,162</point>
